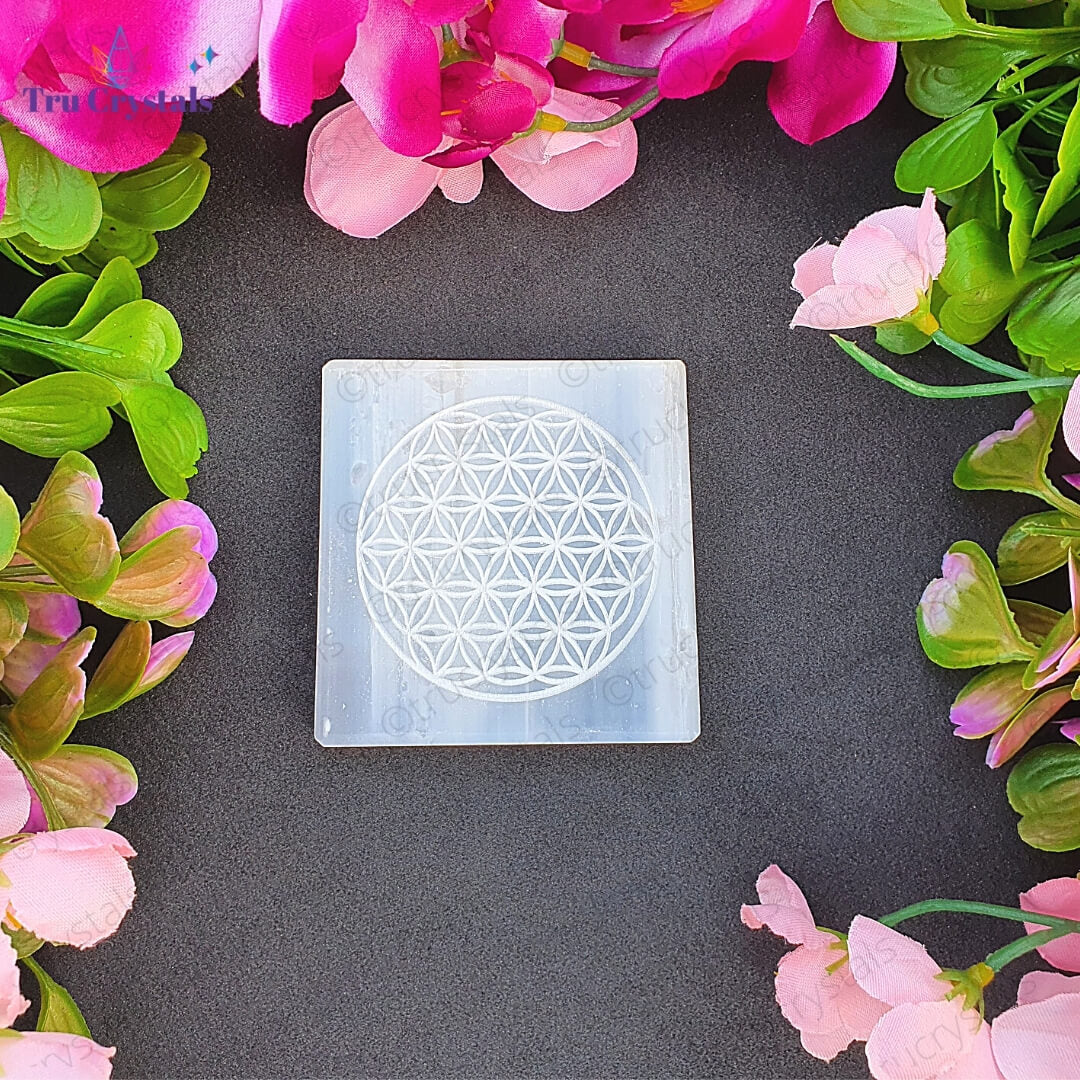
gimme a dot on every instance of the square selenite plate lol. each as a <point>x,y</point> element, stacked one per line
<point>506,554</point>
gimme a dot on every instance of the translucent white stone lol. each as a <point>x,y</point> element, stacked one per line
<point>506,554</point>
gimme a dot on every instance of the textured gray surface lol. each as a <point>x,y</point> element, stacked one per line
<point>547,912</point>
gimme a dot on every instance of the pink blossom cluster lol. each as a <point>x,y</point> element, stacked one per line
<point>547,89</point>
<point>873,984</point>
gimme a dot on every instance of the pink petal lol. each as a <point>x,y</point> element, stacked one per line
<point>1040,1041</point>
<point>734,31</point>
<point>1011,739</point>
<point>925,1040</point>
<point>571,170</point>
<point>525,28</point>
<point>813,269</point>
<point>842,307</point>
<point>1070,420</point>
<point>393,75</point>
<point>100,141</point>
<point>165,657</point>
<point>3,181</point>
<point>37,821</point>
<point>1040,985</point>
<point>54,1055</point>
<point>930,235</point>
<point>20,31</point>
<point>1071,730</point>
<point>833,79</point>
<point>462,185</point>
<point>71,887</point>
<point>164,39</point>
<point>890,966</point>
<point>871,255</point>
<point>171,514</point>
<point>14,801</point>
<point>355,183</point>
<point>989,701</point>
<point>198,607</point>
<point>1058,896</point>
<point>298,39</point>
<point>54,617</point>
<point>24,664</point>
<point>12,1003</point>
<point>436,12</point>
<point>783,910</point>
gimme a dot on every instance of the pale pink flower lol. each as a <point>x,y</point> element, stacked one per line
<point>1070,420</point>
<point>12,1003</point>
<point>1061,897</point>
<point>53,1055</point>
<point>923,1036</point>
<point>70,887</point>
<point>814,985</point>
<point>1039,1039</point>
<point>14,798</point>
<point>881,270</point>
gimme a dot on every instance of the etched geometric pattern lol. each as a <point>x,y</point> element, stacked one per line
<point>507,549</point>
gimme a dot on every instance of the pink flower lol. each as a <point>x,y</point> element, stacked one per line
<point>1058,896</point>
<point>109,57</point>
<point>1070,420</point>
<point>12,1003</point>
<point>832,80</point>
<point>881,270</point>
<point>70,887</point>
<point>160,519</point>
<point>53,1055</point>
<point>923,1036</point>
<point>14,799</point>
<point>814,984</point>
<point>1039,1039</point>
<point>54,617</point>
<point>355,183</point>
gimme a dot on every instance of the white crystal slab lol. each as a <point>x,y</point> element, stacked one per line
<point>506,554</point>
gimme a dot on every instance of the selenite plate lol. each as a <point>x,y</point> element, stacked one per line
<point>505,554</point>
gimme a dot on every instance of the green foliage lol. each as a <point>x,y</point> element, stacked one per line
<point>59,215</point>
<point>896,20</point>
<point>1044,789</point>
<point>57,1011</point>
<point>950,155</point>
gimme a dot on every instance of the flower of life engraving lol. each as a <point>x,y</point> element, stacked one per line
<point>507,549</point>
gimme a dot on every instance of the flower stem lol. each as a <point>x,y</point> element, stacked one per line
<point>596,64</point>
<point>1052,243</point>
<point>925,390</point>
<point>1021,947</point>
<point>975,907</point>
<point>1033,68</point>
<point>976,359</point>
<point>647,98</point>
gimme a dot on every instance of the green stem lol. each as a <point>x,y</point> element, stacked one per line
<point>649,96</point>
<point>925,390</point>
<point>596,64</point>
<point>1017,35</point>
<point>447,32</point>
<point>1052,243</point>
<point>976,907</point>
<point>1034,68</point>
<point>1021,947</point>
<point>1052,530</point>
<point>976,359</point>
<point>49,336</point>
<point>1050,269</point>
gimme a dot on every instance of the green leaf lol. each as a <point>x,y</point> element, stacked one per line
<point>87,783</point>
<point>1045,322</point>
<point>9,525</point>
<point>1036,621</point>
<point>1014,459</point>
<point>53,303</point>
<point>115,240</point>
<point>117,285</point>
<point>117,676</point>
<point>51,705</point>
<point>950,155</point>
<point>171,433</point>
<point>977,201</point>
<point>895,20</point>
<point>143,334</point>
<point>24,943</point>
<point>160,579</point>
<point>58,1011</point>
<point>162,194</point>
<point>65,411</point>
<point>53,203</point>
<point>1024,555</point>
<point>1065,180</point>
<point>14,614</point>
<point>1019,197</point>
<point>946,76</point>
<point>1044,789</point>
<point>66,536</point>
<point>900,337</point>
<point>963,618</point>
<point>980,281</point>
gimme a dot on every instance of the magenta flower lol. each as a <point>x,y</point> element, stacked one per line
<point>814,985</point>
<point>125,67</point>
<point>881,270</point>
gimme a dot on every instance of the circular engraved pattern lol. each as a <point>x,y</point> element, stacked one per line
<point>506,549</point>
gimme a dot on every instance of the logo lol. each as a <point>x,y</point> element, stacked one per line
<point>114,71</point>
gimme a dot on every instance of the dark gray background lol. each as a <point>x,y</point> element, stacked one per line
<point>547,912</point>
